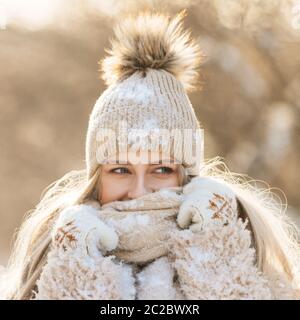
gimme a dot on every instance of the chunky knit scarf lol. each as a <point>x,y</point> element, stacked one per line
<point>143,224</point>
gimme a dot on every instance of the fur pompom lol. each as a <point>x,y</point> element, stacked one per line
<point>152,40</point>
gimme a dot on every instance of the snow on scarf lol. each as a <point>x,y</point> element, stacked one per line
<point>143,224</point>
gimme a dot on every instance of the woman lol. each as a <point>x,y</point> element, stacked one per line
<point>192,231</point>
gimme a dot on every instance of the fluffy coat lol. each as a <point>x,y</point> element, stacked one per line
<point>211,261</point>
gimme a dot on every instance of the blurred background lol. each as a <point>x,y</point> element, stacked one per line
<point>249,104</point>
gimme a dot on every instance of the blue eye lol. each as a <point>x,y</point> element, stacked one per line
<point>167,171</point>
<point>121,168</point>
<point>124,170</point>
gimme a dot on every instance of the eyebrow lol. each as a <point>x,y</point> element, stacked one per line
<point>152,164</point>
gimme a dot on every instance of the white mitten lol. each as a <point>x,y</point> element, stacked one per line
<point>206,201</point>
<point>79,227</point>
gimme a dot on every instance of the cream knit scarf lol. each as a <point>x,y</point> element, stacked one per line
<point>143,224</point>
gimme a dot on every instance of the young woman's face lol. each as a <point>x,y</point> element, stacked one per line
<point>129,181</point>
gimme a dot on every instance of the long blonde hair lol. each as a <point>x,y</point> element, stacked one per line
<point>275,235</point>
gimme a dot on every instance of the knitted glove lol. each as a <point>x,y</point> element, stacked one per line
<point>76,267</point>
<point>206,201</point>
<point>79,227</point>
<point>217,261</point>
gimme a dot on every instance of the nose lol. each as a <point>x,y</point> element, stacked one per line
<point>138,188</point>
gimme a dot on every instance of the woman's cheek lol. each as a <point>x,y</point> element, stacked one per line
<point>113,188</point>
<point>165,181</point>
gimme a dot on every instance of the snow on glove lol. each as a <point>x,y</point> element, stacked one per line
<point>206,201</point>
<point>76,267</point>
<point>79,227</point>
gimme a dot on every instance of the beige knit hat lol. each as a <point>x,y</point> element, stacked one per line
<point>150,67</point>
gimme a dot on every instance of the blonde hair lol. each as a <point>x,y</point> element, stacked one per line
<point>274,233</point>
